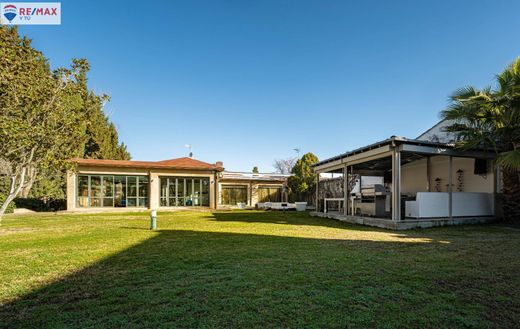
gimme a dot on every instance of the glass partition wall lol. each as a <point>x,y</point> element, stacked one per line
<point>112,191</point>
<point>184,191</point>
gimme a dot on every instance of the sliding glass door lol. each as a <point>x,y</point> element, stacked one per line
<point>184,191</point>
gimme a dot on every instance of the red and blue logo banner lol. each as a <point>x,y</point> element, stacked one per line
<point>30,13</point>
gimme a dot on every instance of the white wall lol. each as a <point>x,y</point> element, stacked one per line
<point>414,178</point>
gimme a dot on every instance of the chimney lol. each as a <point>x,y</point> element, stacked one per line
<point>219,164</point>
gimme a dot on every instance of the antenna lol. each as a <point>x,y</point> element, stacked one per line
<point>297,150</point>
<point>188,146</point>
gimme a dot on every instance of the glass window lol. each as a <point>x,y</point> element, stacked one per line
<point>189,192</point>
<point>131,183</point>
<point>95,186</point>
<point>180,191</point>
<point>269,194</point>
<point>120,191</point>
<point>112,191</point>
<point>231,195</point>
<point>143,187</point>
<point>164,187</point>
<point>205,192</point>
<point>83,191</point>
<point>184,191</point>
<point>108,186</point>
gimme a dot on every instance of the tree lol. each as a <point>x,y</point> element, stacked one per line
<point>490,118</point>
<point>302,182</point>
<point>26,75</point>
<point>255,170</point>
<point>40,119</point>
<point>284,166</point>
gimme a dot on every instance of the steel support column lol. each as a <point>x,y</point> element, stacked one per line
<point>345,191</point>
<point>450,187</point>
<point>396,185</point>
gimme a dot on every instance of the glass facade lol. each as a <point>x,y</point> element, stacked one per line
<point>233,194</point>
<point>269,194</point>
<point>112,191</point>
<point>184,191</point>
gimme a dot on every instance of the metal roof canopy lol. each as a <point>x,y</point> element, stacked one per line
<point>381,152</point>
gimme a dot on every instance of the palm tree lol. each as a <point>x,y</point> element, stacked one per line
<point>490,118</point>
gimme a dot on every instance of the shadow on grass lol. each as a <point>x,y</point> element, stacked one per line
<point>206,279</point>
<point>281,217</point>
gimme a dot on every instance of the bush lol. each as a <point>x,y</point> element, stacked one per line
<point>10,208</point>
<point>36,204</point>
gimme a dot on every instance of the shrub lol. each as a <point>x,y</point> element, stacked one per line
<point>36,204</point>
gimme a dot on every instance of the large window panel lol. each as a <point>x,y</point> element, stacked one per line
<point>189,192</point>
<point>269,194</point>
<point>112,191</point>
<point>83,191</point>
<point>142,190</point>
<point>233,194</point>
<point>205,192</point>
<point>181,187</point>
<point>184,191</point>
<point>120,191</point>
<point>95,191</point>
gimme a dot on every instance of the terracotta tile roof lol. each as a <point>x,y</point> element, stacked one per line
<point>180,163</point>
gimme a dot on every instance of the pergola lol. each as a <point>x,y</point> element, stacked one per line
<point>386,158</point>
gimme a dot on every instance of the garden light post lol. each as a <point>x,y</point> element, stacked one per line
<point>153,220</point>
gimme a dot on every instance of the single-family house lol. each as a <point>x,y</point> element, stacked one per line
<point>168,184</point>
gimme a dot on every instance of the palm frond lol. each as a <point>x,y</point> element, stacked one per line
<point>509,160</point>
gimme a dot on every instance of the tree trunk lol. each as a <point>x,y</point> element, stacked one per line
<point>14,190</point>
<point>31,178</point>
<point>511,195</point>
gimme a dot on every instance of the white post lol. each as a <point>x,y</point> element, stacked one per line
<point>345,191</point>
<point>450,186</point>
<point>396,185</point>
<point>318,192</point>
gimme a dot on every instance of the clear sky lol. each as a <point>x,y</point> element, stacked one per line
<point>246,82</point>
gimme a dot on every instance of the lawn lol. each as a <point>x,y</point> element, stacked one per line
<point>253,269</point>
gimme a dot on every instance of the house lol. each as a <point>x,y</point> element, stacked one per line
<point>168,184</point>
<point>402,183</point>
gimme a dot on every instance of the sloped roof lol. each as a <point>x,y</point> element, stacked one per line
<point>179,163</point>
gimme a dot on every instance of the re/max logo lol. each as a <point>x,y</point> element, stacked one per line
<point>37,11</point>
<point>30,13</point>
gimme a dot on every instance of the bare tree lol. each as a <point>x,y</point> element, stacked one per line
<point>284,166</point>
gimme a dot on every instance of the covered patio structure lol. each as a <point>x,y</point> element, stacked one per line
<point>401,183</point>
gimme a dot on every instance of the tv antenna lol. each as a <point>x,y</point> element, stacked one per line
<point>188,146</point>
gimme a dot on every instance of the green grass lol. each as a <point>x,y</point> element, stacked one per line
<point>255,270</point>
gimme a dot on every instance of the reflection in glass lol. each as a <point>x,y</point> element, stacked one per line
<point>83,191</point>
<point>120,191</point>
<point>131,189</point>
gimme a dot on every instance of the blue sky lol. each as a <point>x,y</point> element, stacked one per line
<point>245,82</point>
